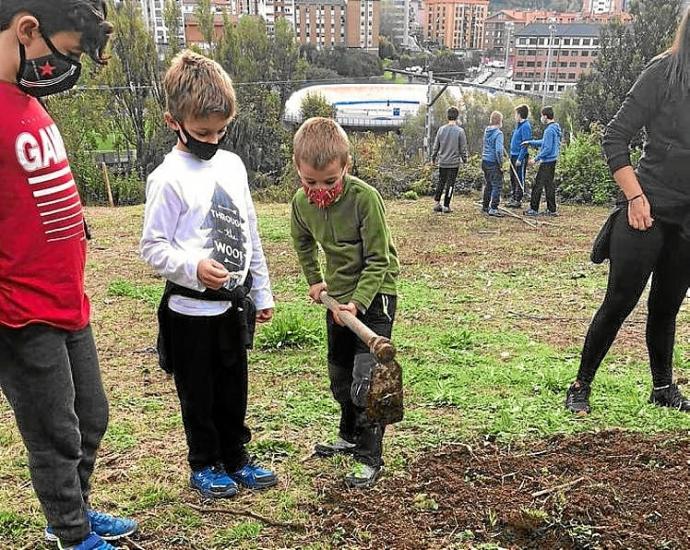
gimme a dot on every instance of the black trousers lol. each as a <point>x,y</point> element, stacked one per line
<point>635,255</point>
<point>544,181</point>
<point>210,369</point>
<point>517,186</point>
<point>53,383</point>
<point>446,183</point>
<point>349,367</point>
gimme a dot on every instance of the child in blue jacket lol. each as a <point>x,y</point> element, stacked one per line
<point>519,156</point>
<point>492,162</point>
<point>550,149</point>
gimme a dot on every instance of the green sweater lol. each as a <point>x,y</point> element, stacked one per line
<point>361,260</point>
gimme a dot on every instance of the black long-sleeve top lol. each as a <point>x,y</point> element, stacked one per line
<point>664,169</point>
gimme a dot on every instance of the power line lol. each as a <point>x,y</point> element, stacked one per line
<point>235,84</point>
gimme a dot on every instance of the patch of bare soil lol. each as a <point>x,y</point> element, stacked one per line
<point>602,490</point>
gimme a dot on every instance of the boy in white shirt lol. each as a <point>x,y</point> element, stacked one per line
<point>200,233</point>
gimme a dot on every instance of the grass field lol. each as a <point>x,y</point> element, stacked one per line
<point>491,319</point>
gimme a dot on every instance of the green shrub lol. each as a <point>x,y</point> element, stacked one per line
<point>410,195</point>
<point>290,329</point>
<point>315,104</point>
<point>470,175</point>
<point>582,173</point>
<point>266,188</point>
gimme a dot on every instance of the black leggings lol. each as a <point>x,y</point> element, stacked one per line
<point>635,255</point>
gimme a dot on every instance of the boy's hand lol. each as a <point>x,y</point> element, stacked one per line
<point>264,315</point>
<point>531,162</point>
<point>349,307</point>
<point>315,291</point>
<point>212,274</point>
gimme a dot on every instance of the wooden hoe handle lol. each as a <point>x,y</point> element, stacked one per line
<point>379,346</point>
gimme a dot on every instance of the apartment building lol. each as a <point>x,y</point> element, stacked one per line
<point>331,23</point>
<point>456,24</point>
<point>152,12</point>
<point>596,7</point>
<point>502,25</point>
<point>572,50</point>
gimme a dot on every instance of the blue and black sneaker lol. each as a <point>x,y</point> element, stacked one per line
<point>213,482</point>
<point>105,526</point>
<point>92,542</point>
<point>253,476</point>
<point>531,213</point>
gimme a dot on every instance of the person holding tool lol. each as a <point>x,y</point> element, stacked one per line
<point>549,151</point>
<point>347,219</point>
<point>519,156</point>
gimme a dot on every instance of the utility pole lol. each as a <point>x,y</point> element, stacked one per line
<point>406,24</point>
<point>509,29</point>
<point>552,32</point>
<point>427,118</point>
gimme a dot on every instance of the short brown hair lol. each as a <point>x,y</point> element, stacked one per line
<point>85,16</point>
<point>197,87</point>
<point>319,142</point>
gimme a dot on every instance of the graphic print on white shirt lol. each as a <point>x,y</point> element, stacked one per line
<point>226,237</point>
<point>200,209</point>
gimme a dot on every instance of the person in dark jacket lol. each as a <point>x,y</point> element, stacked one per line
<point>519,156</point>
<point>492,163</point>
<point>650,236</point>
<point>450,151</point>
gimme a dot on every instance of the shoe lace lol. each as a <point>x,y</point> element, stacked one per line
<point>100,517</point>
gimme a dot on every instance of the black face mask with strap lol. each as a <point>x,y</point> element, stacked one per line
<point>49,74</point>
<point>200,149</point>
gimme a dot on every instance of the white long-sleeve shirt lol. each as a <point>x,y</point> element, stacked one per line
<point>198,209</point>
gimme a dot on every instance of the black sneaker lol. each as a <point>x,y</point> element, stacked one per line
<point>577,398</point>
<point>362,476</point>
<point>437,207</point>
<point>514,204</point>
<point>671,397</point>
<point>338,447</point>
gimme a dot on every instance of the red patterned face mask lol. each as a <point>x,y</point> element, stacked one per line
<point>325,197</point>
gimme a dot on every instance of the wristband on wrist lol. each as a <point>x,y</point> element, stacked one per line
<point>636,197</point>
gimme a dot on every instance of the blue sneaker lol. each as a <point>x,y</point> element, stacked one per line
<point>530,212</point>
<point>213,482</point>
<point>92,542</point>
<point>253,476</point>
<point>104,525</point>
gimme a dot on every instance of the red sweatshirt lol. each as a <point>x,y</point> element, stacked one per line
<point>42,240</point>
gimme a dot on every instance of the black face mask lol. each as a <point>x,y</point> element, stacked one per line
<point>49,74</point>
<point>201,149</point>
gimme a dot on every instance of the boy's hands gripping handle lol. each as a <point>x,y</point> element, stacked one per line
<point>380,347</point>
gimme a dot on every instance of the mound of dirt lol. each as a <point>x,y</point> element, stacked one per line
<point>597,490</point>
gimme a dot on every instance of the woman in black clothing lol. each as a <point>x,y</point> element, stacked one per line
<point>651,235</point>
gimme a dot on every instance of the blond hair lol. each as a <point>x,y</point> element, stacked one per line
<point>319,142</point>
<point>496,118</point>
<point>197,87</point>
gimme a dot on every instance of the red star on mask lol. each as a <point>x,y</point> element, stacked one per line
<point>46,70</point>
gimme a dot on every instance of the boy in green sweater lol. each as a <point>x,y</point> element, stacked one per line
<point>346,217</point>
